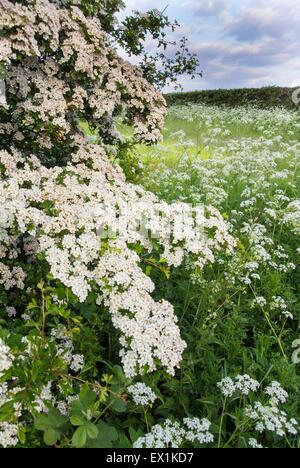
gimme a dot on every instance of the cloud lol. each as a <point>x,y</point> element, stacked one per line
<point>145,5</point>
<point>206,7</point>
<point>228,65</point>
<point>269,19</point>
<point>239,44</point>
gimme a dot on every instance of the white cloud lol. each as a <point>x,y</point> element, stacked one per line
<point>248,43</point>
<point>269,18</point>
<point>206,7</point>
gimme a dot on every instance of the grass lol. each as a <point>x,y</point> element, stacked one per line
<point>240,315</point>
<point>245,162</point>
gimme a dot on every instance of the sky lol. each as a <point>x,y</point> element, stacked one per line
<point>246,43</point>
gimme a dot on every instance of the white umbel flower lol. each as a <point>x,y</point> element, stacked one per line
<point>142,394</point>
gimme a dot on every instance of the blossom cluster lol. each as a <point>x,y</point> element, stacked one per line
<point>142,394</point>
<point>253,443</point>
<point>6,358</point>
<point>61,67</point>
<point>276,393</point>
<point>278,303</point>
<point>267,417</point>
<point>271,418</point>
<point>197,430</point>
<point>171,434</point>
<point>63,211</point>
<point>242,383</point>
<point>8,434</point>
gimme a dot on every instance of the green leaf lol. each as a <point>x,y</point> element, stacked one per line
<point>41,422</point>
<point>124,442</point>
<point>106,435</point>
<point>35,370</point>
<point>56,419</point>
<point>92,430</point>
<point>134,435</point>
<point>119,406</point>
<point>79,437</point>
<point>22,434</point>
<point>52,420</point>
<point>110,431</point>
<point>6,409</point>
<point>86,400</point>
<point>77,420</point>
<point>51,436</point>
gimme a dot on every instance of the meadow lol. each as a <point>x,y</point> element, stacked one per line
<point>149,249</point>
<point>239,315</point>
<point>237,309</point>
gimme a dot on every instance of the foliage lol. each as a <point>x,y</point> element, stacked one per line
<point>267,97</point>
<point>239,315</point>
<point>162,67</point>
<point>81,291</point>
<point>172,57</point>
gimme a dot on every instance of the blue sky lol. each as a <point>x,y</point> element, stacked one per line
<point>239,43</point>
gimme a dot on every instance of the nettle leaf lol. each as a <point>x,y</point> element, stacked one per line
<point>124,442</point>
<point>79,437</point>
<point>109,430</point>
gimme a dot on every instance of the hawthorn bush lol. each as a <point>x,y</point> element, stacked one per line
<point>124,315</point>
<point>76,258</point>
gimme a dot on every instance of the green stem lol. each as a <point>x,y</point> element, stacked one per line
<point>146,420</point>
<point>266,315</point>
<point>275,334</point>
<point>221,422</point>
<point>234,434</point>
<point>43,318</point>
<point>287,441</point>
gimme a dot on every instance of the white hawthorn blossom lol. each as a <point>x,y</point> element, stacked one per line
<point>6,358</point>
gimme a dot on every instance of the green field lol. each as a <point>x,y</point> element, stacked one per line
<point>240,315</point>
<point>149,242</point>
<point>266,97</point>
<point>238,312</point>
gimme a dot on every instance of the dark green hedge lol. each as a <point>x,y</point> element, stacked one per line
<point>270,96</point>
